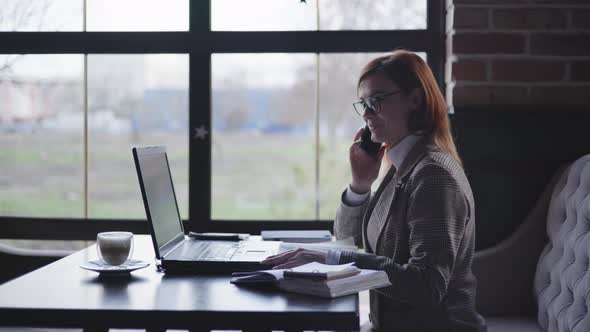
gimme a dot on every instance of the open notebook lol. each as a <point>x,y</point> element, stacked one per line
<point>316,279</point>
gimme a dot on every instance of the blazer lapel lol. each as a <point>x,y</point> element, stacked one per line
<point>375,206</point>
<point>378,216</point>
<point>399,179</point>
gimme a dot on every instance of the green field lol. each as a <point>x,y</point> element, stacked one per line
<point>255,176</point>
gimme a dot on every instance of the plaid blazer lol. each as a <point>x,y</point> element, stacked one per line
<point>418,227</point>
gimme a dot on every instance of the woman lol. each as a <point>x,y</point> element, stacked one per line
<point>419,225</point>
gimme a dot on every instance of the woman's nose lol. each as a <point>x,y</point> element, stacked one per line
<point>368,114</point>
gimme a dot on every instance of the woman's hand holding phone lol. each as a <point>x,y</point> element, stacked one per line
<point>364,167</point>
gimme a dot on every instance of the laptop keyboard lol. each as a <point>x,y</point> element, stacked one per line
<point>208,251</point>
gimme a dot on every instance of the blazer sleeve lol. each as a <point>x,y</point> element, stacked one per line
<point>348,221</point>
<point>437,214</point>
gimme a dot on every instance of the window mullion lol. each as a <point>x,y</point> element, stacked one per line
<point>200,173</point>
<point>85,147</point>
<point>199,18</point>
<point>317,122</point>
<point>317,138</point>
<point>435,27</point>
<point>85,92</point>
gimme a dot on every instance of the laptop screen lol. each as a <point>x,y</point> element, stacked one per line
<point>159,193</point>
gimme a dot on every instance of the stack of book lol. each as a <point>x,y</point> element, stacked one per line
<point>317,279</point>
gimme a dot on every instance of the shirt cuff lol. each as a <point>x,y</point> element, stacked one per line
<point>353,199</point>
<point>333,257</point>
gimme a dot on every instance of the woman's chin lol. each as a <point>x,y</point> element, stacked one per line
<point>376,138</point>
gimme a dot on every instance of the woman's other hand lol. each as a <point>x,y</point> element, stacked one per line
<point>364,168</point>
<point>294,258</point>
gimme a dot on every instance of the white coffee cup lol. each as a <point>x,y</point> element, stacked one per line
<point>114,248</point>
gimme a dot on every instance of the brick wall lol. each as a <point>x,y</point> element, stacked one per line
<point>518,53</point>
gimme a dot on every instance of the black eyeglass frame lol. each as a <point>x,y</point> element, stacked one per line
<point>371,104</point>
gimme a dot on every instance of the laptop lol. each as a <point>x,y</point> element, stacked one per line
<point>176,252</point>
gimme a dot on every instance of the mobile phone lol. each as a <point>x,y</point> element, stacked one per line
<point>370,147</point>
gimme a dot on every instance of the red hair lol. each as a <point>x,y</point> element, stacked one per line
<point>410,72</point>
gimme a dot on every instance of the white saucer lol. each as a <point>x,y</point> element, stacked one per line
<point>102,268</point>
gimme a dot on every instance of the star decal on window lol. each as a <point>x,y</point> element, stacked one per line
<point>201,132</point>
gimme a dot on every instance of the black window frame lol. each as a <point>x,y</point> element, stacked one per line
<point>200,43</point>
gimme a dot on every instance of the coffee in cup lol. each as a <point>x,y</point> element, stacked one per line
<point>114,248</point>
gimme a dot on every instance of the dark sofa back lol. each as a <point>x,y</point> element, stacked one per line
<point>509,156</point>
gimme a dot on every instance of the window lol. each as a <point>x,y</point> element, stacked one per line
<point>273,15</point>
<point>268,82</point>
<point>41,131</point>
<point>131,100</point>
<point>137,15</point>
<point>41,15</point>
<point>263,115</point>
<point>272,117</point>
<point>134,100</point>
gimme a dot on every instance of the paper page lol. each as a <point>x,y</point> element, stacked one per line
<point>278,274</point>
<point>315,267</point>
<point>259,277</point>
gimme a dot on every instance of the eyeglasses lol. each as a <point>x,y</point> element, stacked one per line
<point>371,104</point>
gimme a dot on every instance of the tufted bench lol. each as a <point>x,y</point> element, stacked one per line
<point>538,280</point>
